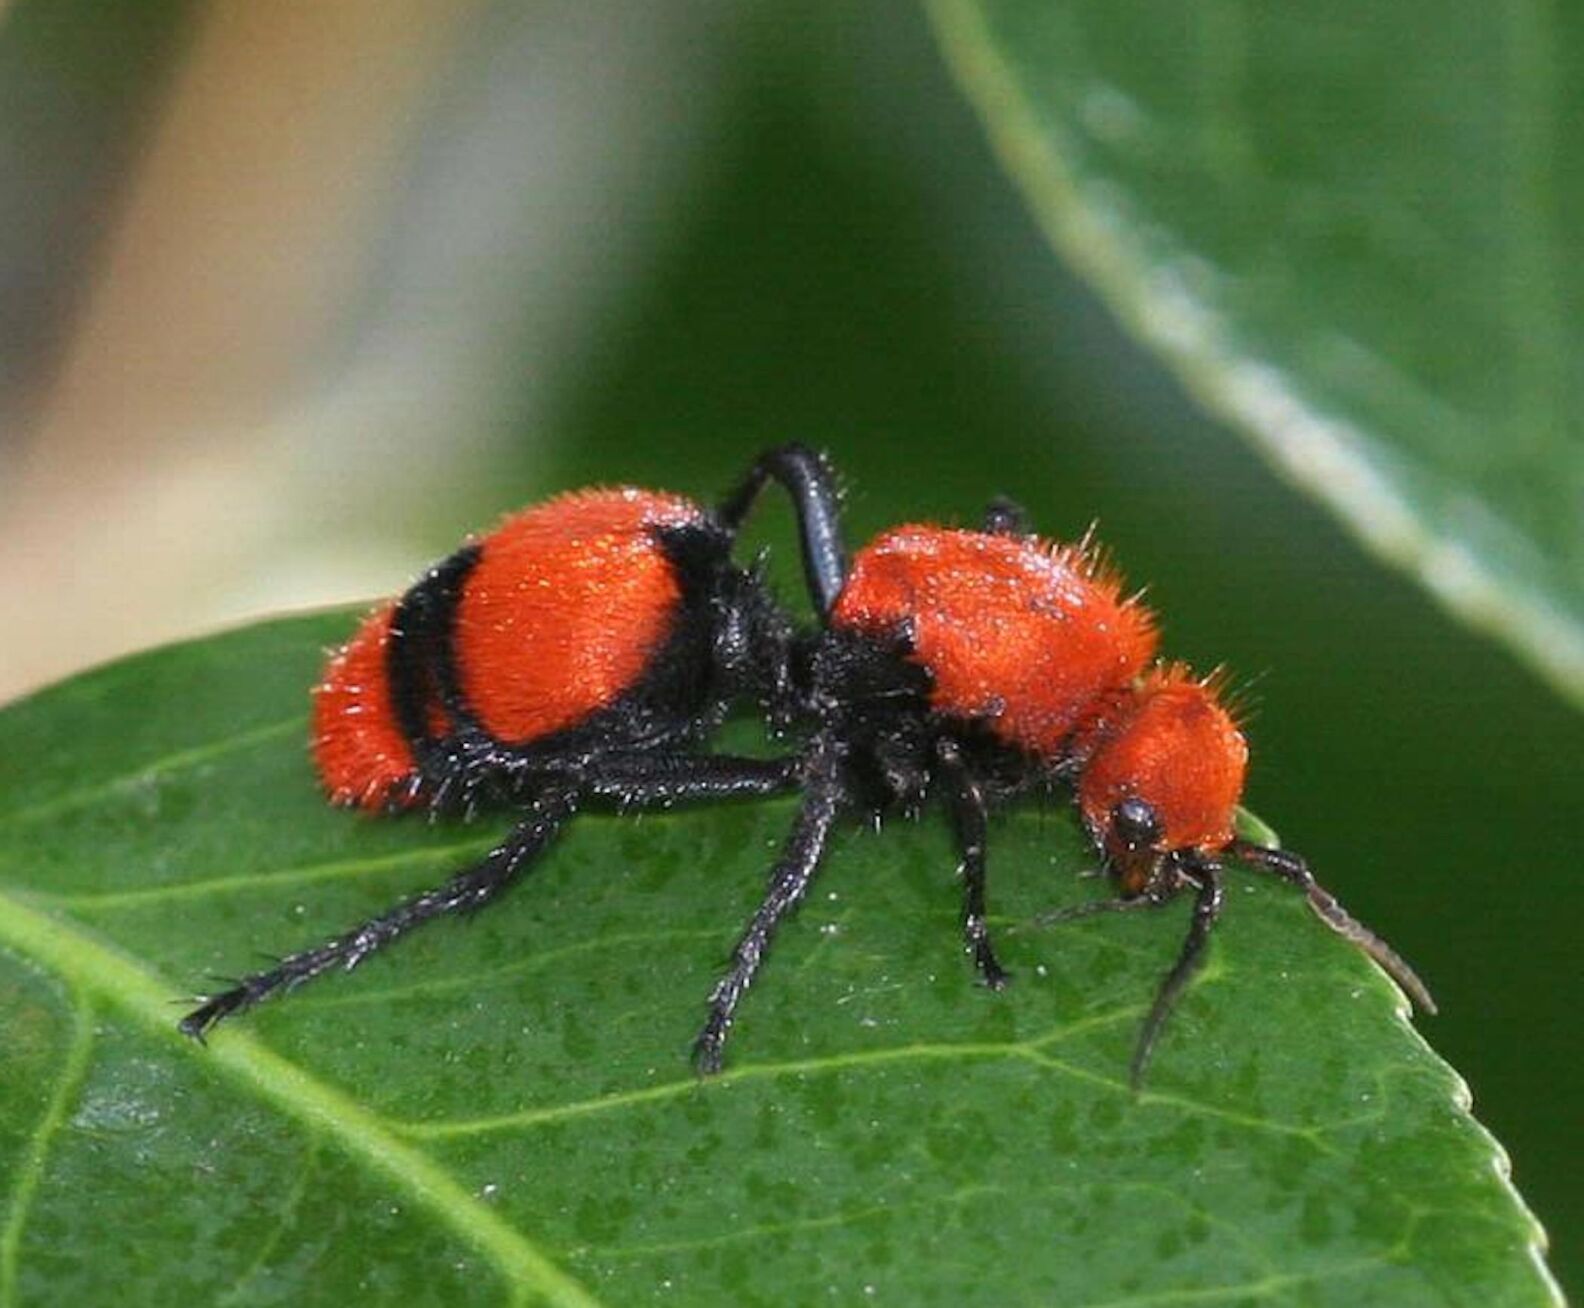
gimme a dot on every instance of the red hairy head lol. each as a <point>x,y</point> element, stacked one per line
<point>1165,771</point>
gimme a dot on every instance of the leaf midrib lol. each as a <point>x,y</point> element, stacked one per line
<point>97,969</point>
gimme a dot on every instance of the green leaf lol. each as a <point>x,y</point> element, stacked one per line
<point>1345,227</point>
<point>502,1110</point>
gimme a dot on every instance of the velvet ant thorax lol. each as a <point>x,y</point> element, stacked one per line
<point>1020,633</point>
<point>584,651</point>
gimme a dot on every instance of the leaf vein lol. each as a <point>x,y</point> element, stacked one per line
<point>283,1221</point>
<point>177,761</point>
<point>765,1230</point>
<point>31,1173</point>
<point>1263,1288</point>
<point>482,980</point>
<point>1032,1051</point>
<point>332,870</point>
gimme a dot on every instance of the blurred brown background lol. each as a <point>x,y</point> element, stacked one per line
<point>277,283</point>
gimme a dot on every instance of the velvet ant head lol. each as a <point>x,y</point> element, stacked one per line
<point>1167,749</point>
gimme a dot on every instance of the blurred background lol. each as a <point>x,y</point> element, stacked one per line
<point>293,295</point>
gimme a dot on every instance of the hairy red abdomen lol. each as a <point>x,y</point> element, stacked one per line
<point>1170,742</point>
<point>1023,634</point>
<point>362,756</point>
<point>565,607</point>
<point>561,613</point>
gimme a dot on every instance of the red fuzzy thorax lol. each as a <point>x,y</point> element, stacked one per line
<point>1020,633</point>
<point>1172,743</point>
<point>560,615</point>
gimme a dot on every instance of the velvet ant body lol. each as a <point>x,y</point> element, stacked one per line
<point>585,650</point>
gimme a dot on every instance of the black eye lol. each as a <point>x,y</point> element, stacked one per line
<point>1134,821</point>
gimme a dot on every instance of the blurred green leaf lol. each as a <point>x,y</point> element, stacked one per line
<point>502,1110</point>
<point>1348,229</point>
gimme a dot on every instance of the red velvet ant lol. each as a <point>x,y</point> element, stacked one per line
<point>585,650</point>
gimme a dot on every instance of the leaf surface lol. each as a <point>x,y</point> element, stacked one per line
<point>501,1110</point>
<point>1347,228</point>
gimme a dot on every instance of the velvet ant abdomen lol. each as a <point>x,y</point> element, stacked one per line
<point>566,606</point>
<point>1015,632</point>
<point>559,612</point>
<point>362,756</point>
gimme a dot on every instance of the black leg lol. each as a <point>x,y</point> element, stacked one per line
<point>1205,877</point>
<point>1004,517</point>
<point>808,479</point>
<point>789,882</point>
<point>1208,899</point>
<point>1292,868</point>
<point>469,889</point>
<point>968,819</point>
<point>643,780</point>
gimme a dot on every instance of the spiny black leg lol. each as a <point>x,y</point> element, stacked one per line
<point>1208,899</point>
<point>808,479</point>
<point>968,818</point>
<point>1293,868</point>
<point>638,780</point>
<point>470,889</point>
<point>1004,517</point>
<point>789,882</point>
